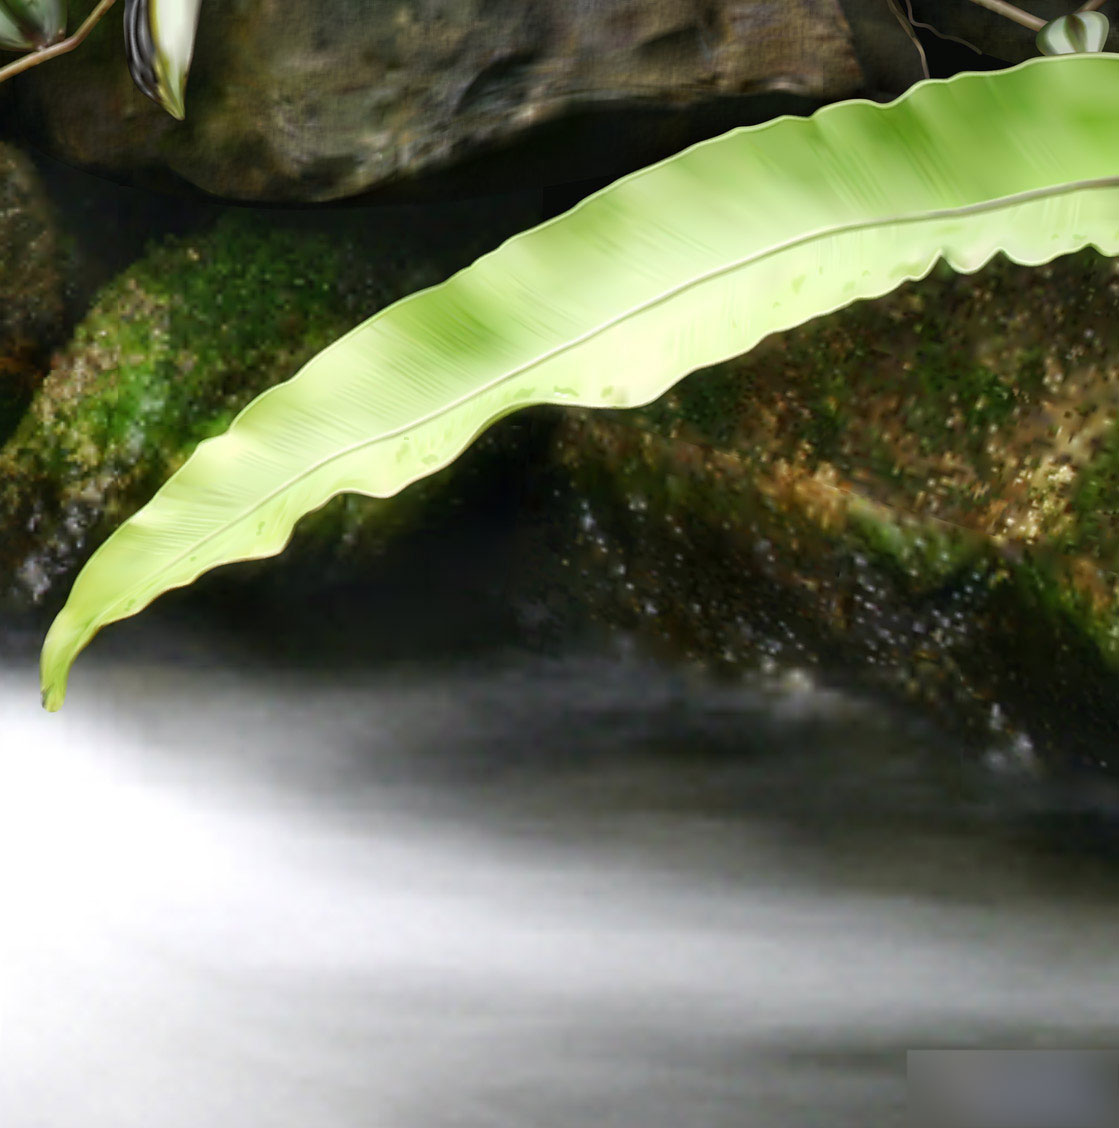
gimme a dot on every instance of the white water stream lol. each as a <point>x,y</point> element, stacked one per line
<point>519,894</point>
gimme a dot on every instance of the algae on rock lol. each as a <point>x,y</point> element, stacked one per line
<point>923,488</point>
<point>169,353</point>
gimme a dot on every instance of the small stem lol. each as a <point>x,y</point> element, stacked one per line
<point>912,35</point>
<point>1091,6</point>
<point>1012,13</point>
<point>939,34</point>
<point>59,48</point>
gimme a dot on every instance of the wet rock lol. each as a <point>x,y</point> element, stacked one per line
<point>183,339</point>
<point>920,493</point>
<point>32,273</point>
<point>299,102</point>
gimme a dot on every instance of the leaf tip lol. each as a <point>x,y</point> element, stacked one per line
<point>60,647</point>
<point>52,697</point>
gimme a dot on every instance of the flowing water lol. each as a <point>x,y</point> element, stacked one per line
<point>490,887</point>
<point>516,891</point>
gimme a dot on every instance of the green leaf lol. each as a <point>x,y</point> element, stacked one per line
<point>676,267</point>
<point>1078,32</point>
<point>31,24</point>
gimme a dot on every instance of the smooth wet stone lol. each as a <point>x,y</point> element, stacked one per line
<point>920,493</point>
<point>302,102</point>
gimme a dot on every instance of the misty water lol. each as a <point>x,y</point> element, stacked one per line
<point>505,885</point>
<point>516,889</point>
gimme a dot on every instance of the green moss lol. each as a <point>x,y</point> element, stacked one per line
<point>711,401</point>
<point>829,415</point>
<point>922,554</point>
<point>824,431</point>
<point>917,344</point>
<point>884,465</point>
<point>1043,584</point>
<point>178,343</point>
<point>169,353</point>
<point>1095,502</point>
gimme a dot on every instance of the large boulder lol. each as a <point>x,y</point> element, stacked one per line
<point>920,493</point>
<point>301,102</point>
<point>32,277</point>
<point>177,344</point>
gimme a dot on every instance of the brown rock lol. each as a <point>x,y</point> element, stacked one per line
<point>918,494</point>
<point>31,281</point>
<point>300,102</point>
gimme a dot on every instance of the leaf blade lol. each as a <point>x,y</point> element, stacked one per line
<point>675,267</point>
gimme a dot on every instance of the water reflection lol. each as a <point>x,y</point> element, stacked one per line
<point>520,893</point>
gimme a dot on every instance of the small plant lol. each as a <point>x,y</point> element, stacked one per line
<point>1081,32</point>
<point>159,37</point>
<point>158,40</point>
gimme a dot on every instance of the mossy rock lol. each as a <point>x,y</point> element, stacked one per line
<point>169,353</point>
<point>919,492</point>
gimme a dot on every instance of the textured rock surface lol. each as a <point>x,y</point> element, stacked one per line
<point>31,282</point>
<point>180,342</point>
<point>922,489</point>
<point>325,100</point>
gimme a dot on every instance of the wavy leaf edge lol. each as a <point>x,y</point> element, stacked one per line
<point>70,632</point>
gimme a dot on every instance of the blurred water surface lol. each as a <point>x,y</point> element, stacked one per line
<point>516,891</point>
<point>456,884</point>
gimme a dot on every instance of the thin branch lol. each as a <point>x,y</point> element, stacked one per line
<point>939,34</point>
<point>59,48</point>
<point>912,35</point>
<point>1091,6</point>
<point>1012,13</point>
